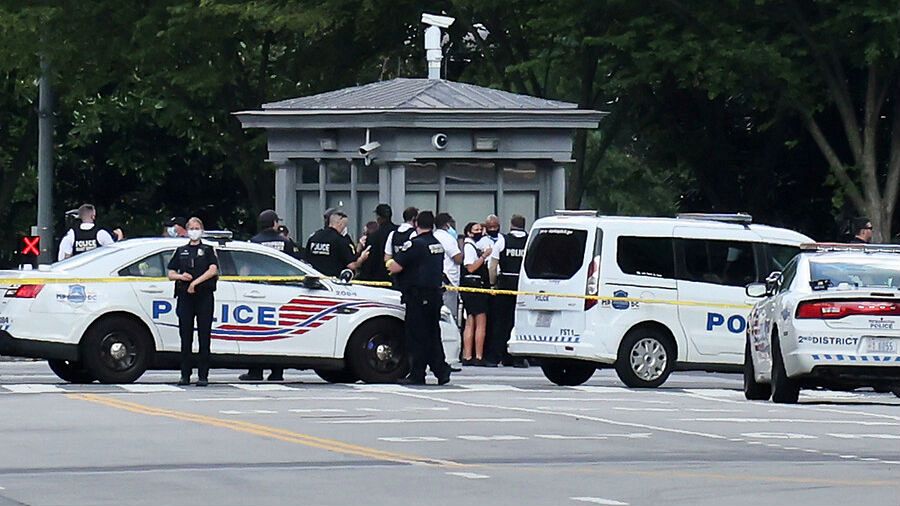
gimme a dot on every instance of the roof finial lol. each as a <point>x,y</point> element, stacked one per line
<point>433,51</point>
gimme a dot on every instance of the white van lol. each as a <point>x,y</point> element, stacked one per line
<point>695,267</point>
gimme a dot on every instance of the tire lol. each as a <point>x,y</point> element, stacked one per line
<point>896,391</point>
<point>72,372</point>
<point>340,376</point>
<point>753,391</point>
<point>117,350</point>
<point>568,372</point>
<point>646,358</point>
<point>784,390</point>
<point>376,352</point>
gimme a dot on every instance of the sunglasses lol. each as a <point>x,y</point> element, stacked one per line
<point>868,228</point>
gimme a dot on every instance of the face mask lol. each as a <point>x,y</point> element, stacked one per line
<point>477,237</point>
<point>453,233</point>
<point>194,234</point>
<point>171,231</point>
<point>493,233</point>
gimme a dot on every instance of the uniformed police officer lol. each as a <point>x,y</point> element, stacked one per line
<point>194,268</point>
<point>329,252</point>
<point>397,238</point>
<point>420,264</point>
<point>270,236</point>
<point>86,236</point>
<point>506,261</point>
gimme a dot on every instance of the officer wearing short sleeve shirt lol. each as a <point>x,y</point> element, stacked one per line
<point>329,252</point>
<point>421,260</point>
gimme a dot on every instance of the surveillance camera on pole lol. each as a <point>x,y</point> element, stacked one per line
<point>368,149</point>
<point>433,51</point>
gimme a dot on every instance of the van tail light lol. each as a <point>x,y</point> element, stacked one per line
<point>592,286</point>
<point>24,291</point>
<point>837,309</point>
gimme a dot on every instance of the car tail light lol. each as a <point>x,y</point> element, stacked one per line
<point>592,286</point>
<point>24,291</point>
<point>837,309</point>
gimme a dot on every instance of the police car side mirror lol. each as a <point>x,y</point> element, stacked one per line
<point>346,276</point>
<point>313,283</point>
<point>756,290</point>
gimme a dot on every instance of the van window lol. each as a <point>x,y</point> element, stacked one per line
<point>555,253</point>
<point>646,256</point>
<point>779,255</point>
<point>727,263</point>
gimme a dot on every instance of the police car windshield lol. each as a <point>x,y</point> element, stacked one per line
<point>866,272</point>
<point>84,258</point>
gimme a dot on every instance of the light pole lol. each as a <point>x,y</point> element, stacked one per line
<point>45,165</point>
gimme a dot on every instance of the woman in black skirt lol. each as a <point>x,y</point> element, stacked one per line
<point>475,275</point>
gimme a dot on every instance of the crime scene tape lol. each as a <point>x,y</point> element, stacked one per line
<point>383,284</point>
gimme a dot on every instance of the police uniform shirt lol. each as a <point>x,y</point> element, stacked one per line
<point>271,238</point>
<point>82,239</point>
<point>471,252</point>
<point>195,260</point>
<point>329,252</point>
<point>509,257</point>
<point>422,259</point>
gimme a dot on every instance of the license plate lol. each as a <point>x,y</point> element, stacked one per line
<point>881,345</point>
<point>544,319</point>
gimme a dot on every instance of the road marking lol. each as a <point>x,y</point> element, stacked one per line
<point>150,388</point>
<point>778,435</point>
<point>317,410</point>
<point>34,389</point>
<point>401,410</point>
<point>485,388</point>
<point>492,438</point>
<point>470,476</point>
<point>252,387</point>
<point>288,398</point>
<point>413,439</point>
<point>604,390</point>
<point>866,436</point>
<point>427,420</point>
<point>230,412</point>
<point>637,435</point>
<point>790,420</point>
<point>665,410</point>
<point>588,399</point>
<point>713,410</point>
<point>599,500</point>
<point>331,445</point>
<point>264,412</point>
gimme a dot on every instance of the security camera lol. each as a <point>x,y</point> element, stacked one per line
<point>439,141</point>
<point>369,147</point>
<point>439,21</point>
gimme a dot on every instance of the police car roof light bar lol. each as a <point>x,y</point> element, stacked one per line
<point>739,218</point>
<point>576,212</point>
<point>823,247</point>
<point>220,236</point>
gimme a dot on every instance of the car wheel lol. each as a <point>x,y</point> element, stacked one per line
<point>646,358</point>
<point>753,391</point>
<point>117,350</point>
<point>73,372</point>
<point>340,376</point>
<point>784,390</point>
<point>377,353</point>
<point>568,372</point>
<point>896,391</point>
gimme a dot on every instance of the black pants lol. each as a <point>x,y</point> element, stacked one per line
<point>502,320</point>
<point>197,306</point>
<point>423,332</point>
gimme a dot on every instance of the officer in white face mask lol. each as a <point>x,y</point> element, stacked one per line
<point>176,226</point>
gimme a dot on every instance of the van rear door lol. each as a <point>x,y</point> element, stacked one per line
<point>557,261</point>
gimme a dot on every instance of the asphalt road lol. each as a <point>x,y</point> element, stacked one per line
<point>493,437</point>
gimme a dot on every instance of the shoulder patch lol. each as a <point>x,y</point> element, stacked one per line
<point>436,249</point>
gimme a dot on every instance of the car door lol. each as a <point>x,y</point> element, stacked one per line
<point>712,275</point>
<point>275,318</point>
<point>157,301</point>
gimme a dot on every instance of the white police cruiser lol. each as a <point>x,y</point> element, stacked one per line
<point>830,318</point>
<point>695,267</point>
<point>114,331</point>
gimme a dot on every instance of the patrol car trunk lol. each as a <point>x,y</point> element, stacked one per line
<point>871,314</point>
<point>561,265</point>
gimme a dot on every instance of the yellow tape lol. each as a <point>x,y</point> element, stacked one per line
<point>386,284</point>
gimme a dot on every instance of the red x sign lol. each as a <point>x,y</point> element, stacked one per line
<point>31,245</point>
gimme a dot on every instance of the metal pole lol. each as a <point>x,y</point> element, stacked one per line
<point>45,165</point>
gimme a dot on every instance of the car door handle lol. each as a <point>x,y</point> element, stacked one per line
<point>152,289</point>
<point>255,294</point>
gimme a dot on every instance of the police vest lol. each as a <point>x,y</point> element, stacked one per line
<point>480,278</point>
<point>400,238</point>
<point>511,261</point>
<point>85,240</point>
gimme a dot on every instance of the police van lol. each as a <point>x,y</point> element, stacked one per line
<point>670,293</point>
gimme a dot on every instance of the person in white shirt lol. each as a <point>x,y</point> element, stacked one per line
<point>475,275</point>
<point>405,232</point>
<point>84,238</point>
<point>452,259</point>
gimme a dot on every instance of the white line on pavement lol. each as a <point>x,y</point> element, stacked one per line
<point>290,398</point>
<point>253,387</point>
<point>470,476</point>
<point>635,435</point>
<point>865,436</point>
<point>501,437</point>
<point>317,410</point>
<point>486,388</point>
<point>604,390</point>
<point>790,420</point>
<point>150,388</point>
<point>778,435</point>
<point>599,500</point>
<point>412,439</point>
<point>33,389</point>
<point>667,410</point>
<point>426,420</point>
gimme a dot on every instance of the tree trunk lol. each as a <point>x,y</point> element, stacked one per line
<point>575,184</point>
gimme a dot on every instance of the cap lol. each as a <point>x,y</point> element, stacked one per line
<point>268,218</point>
<point>383,211</point>
<point>176,220</point>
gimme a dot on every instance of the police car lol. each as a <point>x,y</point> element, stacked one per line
<point>671,293</point>
<point>114,331</point>
<point>830,318</point>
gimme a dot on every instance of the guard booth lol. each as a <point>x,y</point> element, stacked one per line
<point>430,143</point>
